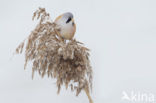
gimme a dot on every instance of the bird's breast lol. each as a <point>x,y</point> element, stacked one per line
<point>67,32</point>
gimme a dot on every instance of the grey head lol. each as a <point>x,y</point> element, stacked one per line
<point>68,17</point>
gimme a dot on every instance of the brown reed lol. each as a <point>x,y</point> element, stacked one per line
<point>68,62</point>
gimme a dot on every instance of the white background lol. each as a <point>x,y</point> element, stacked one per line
<point>120,33</point>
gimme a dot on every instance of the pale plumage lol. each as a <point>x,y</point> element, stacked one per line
<point>65,26</point>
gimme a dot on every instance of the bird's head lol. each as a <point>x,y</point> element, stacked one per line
<point>65,26</point>
<point>65,19</point>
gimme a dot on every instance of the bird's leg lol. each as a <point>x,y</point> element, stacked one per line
<point>64,40</point>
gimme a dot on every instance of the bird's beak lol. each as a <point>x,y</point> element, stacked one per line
<point>72,20</point>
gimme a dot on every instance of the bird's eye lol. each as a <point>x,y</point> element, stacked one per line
<point>69,19</point>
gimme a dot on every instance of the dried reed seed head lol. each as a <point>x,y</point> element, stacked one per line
<point>67,62</point>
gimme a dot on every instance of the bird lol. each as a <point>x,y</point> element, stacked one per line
<point>65,26</point>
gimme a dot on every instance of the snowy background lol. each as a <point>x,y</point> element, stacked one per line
<point>120,33</point>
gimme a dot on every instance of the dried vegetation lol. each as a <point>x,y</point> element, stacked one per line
<point>68,62</point>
